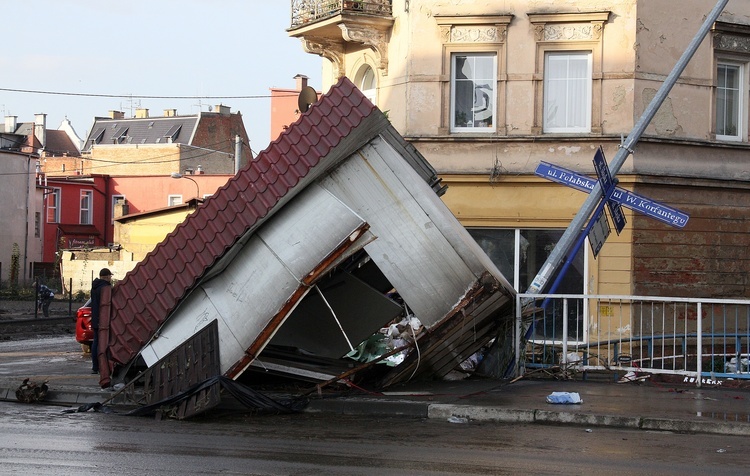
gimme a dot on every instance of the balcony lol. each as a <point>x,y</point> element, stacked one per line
<point>330,28</point>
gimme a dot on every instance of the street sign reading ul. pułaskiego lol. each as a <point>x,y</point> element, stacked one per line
<point>638,203</point>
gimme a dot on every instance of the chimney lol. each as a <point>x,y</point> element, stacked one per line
<point>11,122</point>
<point>301,81</point>
<point>40,128</point>
<point>141,113</point>
<point>116,115</point>
<point>170,112</point>
<point>223,110</point>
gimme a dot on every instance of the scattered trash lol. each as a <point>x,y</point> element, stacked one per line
<point>721,450</point>
<point>564,397</point>
<point>731,367</point>
<point>455,419</point>
<point>589,430</point>
<point>633,377</point>
<point>29,392</point>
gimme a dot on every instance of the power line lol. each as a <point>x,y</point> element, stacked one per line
<point>139,96</point>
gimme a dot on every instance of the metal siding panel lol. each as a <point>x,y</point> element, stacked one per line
<point>259,280</point>
<point>243,299</point>
<point>308,228</point>
<point>466,247</point>
<point>196,312</point>
<point>410,250</point>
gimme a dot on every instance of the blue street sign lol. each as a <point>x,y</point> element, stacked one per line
<point>608,186</point>
<point>599,232</point>
<point>602,171</point>
<point>638,203</point>
<point>618,218</point>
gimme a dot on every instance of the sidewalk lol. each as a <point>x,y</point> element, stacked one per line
<point>647,405</point>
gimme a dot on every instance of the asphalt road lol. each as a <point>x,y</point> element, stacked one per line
<point>38,439</point>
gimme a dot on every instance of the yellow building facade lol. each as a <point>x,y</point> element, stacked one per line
<point>486,91</point>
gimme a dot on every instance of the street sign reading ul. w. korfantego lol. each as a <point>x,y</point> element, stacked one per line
<point>613,195</point>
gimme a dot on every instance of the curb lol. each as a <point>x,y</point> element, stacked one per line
<point>502,415</point>
<point>443,411</point>
<point>363,406</point>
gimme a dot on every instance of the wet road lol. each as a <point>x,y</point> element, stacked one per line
<point>38,439</point>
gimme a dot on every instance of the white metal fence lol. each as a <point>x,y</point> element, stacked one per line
<point>698,338</point>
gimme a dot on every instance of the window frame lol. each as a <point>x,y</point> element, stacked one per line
<point>742,99</point>
<point>172,200</point>
<point>112,206</point>
<point>570,84</point>
<point>367,72</point>
<point>515,280</point>
<point>454,88</point>
<point>88,210</point>
<point>569,32</point>
<point>473,34</point>
<point>56,206</point>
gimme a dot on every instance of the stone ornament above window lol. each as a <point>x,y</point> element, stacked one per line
<point>569,32</point>
<point>473,29</point>
<point>568,26</point>
<point>731,37</point>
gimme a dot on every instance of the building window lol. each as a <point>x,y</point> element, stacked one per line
<point>53,205</point>
<point>519,254</point>
<point>367,83</point>
<point>173,200</point>
<point>37,225</point>
<point>115,198</point>
<point>86,207</point>
<point>729,102</point>
<point>473,76</point>
<point>473,93</point>
<point>568,72</point>
<point>567,92</point>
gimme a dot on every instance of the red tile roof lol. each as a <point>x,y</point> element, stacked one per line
<point>332,129</point>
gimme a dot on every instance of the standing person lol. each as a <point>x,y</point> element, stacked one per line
<point>104,279</point>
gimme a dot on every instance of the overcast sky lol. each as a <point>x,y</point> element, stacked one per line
<point>197,48</point>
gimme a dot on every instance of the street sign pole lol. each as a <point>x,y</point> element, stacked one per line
<point>566,242</point>
<point>571,256</point>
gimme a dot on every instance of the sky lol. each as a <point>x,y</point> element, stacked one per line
<point>206,51</point>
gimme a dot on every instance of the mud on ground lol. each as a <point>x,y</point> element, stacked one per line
<point>17,320</point>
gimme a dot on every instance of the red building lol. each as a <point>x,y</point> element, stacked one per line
<point>80,210</point>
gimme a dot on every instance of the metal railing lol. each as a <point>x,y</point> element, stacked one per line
<point>697,338</point>
<point>306,11</point>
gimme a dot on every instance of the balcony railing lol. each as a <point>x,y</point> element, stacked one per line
<point>306,11</point>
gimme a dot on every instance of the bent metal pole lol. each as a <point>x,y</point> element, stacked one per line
<point>569,237</point>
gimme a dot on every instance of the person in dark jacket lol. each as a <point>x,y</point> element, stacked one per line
<point>104,279</point>
<point>45,296</point>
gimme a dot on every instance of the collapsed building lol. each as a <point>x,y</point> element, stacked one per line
<point>331,242</point>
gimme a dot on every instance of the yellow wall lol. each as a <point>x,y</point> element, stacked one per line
<point>531,202</point>
<point>140,236</point>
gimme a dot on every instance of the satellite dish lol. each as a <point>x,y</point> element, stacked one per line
<point>307,97</point>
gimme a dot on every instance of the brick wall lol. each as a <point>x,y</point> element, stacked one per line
<point>708,257</point>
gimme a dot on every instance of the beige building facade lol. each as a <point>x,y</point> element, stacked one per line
<point>486,91</point>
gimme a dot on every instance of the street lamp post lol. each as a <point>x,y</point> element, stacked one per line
<point>177,175</point>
